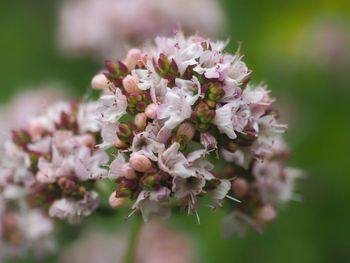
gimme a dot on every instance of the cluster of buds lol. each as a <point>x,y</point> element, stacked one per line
<point>54,161</point>
<point>175,115</point>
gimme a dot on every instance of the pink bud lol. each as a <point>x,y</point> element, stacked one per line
<point>240,187</point>
<point>151,111</point>
<point>99,82</point>
<point>140,121</point>
<point>115,201</point>
<point>128,172</point>
<point>36,129</point>
<point>133,58</point>
<point>187,129</point>
<point>130,84</point>
<point>140,163</point>
<point>265,214</point>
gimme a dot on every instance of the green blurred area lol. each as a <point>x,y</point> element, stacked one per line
<point>285,43</point>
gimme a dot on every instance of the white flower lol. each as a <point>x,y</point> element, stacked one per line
<point>218,194</point>
<point>73,210</point>
<point>116,167</point>
<point>199,165</point>
<point>232,117</point>
<point>236,223</point>
<point>35,225</point>
<point>174,162</point>
<point>175,108</point>
<point>184,51</point>
<point>190,88</point>
<point>109,135</point>
<point>274,181</point>
<point>15,165</point>
<point>241,157</point>
<point>41,146</point>
<point>238,70</point>
<point>89,165</point>
<point>113,106</point>
<point>87,117</point>
<point>187,187</point>
<point>53,115</point>
<point>143,144</point>
<point>49,171</point>
<point>150,204</point>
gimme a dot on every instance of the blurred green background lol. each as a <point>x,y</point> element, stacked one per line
<point>302,50</point>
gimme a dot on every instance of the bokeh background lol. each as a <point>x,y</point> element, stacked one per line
<point>302,50</point>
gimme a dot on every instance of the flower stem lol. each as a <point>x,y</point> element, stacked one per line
<point>133,241</point>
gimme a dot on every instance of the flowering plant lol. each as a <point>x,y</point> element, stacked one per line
<point>177,125</point>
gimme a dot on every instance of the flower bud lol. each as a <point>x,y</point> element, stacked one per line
<point>115,201</point>
<point>265,214</point>
<point>149,181</point>
<point>130,84</point>
<point>133,58</point>
<point>36,129</point>
<point>140,163</point>
<point>240,187</point>
<point>140,121</point>
<point>232,146</point>
<point>128,172</point>
<point>120,144</point>
<point>99,82</point>
<point>124,131</point>
<point>186,129</point>
<point>151,111</point>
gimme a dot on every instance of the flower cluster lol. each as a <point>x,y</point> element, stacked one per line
<point>21,232</point>
<point>176,123</point>
<point>53,163</point>
<point>26,105</point>
<point>185,123</point>
<point>106,27</point>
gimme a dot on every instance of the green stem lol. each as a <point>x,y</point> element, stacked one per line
<point>133,240</point>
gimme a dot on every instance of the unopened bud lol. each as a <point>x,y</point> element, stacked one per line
<point>265,214</point>
<point>186,129</point>
<point>133,58</point>
<point>124,131</point>
<point>149,181</point>
<point>240,187</point>
<point>140,163</point>
<point>151,111</point>
<point>36,129</point>
<point>128,172</point>
<point>232,146</point>
<point>100,82</point>
<point>130,84</point>
<point>140,121</point>
<point>115,201</point>
<point>120,144</point>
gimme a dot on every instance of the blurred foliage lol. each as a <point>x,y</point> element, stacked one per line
<point>280,43</point>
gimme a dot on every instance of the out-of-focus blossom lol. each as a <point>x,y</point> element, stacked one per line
<point>28,104</point>
<point>96,245</point>
<point>158,242</point>
<point>53,161</point>
<point>26,231</point>
<point>105,27</point>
